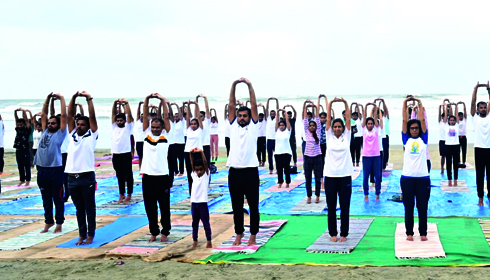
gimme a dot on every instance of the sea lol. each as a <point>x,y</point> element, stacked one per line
<point>103,108</point>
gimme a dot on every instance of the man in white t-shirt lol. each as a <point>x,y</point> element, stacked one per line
<point>243,177</point>
<point>271,132</point>
<point>205,117</point>
<point>138,133</point>
<point>463,142</point>
<point>262,140</point>
<point>178,128</point>
<point>80,167</point>
<point>2,151</point>
<point>122,159</point>
<point>156,181</point>
<point>481,124</point>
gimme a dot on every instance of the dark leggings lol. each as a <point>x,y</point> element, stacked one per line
<point>261,148</point>
<point>482,165</point>
<point>227,145</point>
<point>179,154</point>
<point>156,192</point>
<point>415,188</point>
<point>200,212</point>
<point>23,158</point>
<point>463,143</point>
<point>341,186</point>
<point>282,165</point>
<point>123,165</point>
<point>292,142</point>
<point>271,146</point>
<point>355,149</point>
<point>244,182</point>
<point>188,169</point>
<point>452,159</point>
<point>313,164</point>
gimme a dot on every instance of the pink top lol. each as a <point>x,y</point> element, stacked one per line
<point>371,143</point>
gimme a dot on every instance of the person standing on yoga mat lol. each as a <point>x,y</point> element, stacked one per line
<point>156,181</point>
<point>481,124</point>
<point>451,131</point>
<point>227,131</point>
<point>138,134</point>
<point>205,118</point>
<point>415,180</point>
<point>179,140</point>
<point>243,176</point>
<point>194,138</point>
<point>313,154</point>
<point>338,171</point>
<point>283,149</point>
<point>213,131</point>
<point>199,196</point>
<point>49,164</point>
<point>122,160</point>
<point>262,139</point>
<point>463,142</point>
<point>2,149</point>
<point>271,132</point>
<point>371,160</point>
<point>21,146</point>
<point>292,140</point>
<point>80,167</point>
<point>356,128</point>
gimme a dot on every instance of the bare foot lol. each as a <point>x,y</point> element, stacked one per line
<point>455,182</point>
<point>287,186</point>
<point>80,240</point>
<point>194,245</point>
<point>295,164</point>
<point>450,183</point>
<point>251,241</point>
<point>163,238</point>
<point>127,199</point>
<point>121,198</point>
<point>357,164</point>
<point>410,238</point>
<point>89,240</point>
<point>423,238</point>
<point>28,183</point>
<point>279,185</point>
<point>333,238</point>
<point>366,198</point>
<point>377,197</point>
<point>317,199</point>
<point>270,172</point>
<point>372,185</point>
<point>46,228</point>
<point>21,183</point>
<point>238,239</point>
<point>209,244</point>
<point>342,239</point>
<point>442,172</point>
<point>308,201</point>
<point>58,229</point>
<point>480,202</point>
<point>153,238</point>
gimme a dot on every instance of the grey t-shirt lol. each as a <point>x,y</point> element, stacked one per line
<point>49,150</point>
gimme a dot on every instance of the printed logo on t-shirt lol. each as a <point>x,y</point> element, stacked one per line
<point>452,132</point>
<point>44,143</point>
<point>415,148</point>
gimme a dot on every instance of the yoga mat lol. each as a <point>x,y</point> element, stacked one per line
<point>16,222</point>
<point>405,249</point>
<point>135,198</point>
<point>104,157</point>
<point>34,237</point>
<point>6,174</point>
<point>485,227</point>
<point>141,246</point>
<point>110,232</point>
<point>292,185</point>
<point>313,207</point>
<point>14,197</point>
<point>357,230</point>
<point>40,205</point>
<point>461,187</point>
<point>104,162</point>
<point>384,186</point>
<point>185,205</point>
<point>266,230</point>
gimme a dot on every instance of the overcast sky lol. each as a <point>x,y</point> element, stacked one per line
<point>182,48</point>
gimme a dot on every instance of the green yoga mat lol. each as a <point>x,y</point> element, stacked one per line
<point>377,248</point>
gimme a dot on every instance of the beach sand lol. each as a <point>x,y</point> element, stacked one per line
<point>139,269</point>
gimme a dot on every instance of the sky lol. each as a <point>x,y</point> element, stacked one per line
<point>286,48</point>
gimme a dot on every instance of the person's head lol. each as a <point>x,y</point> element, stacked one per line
<point>199,167</point>
<point>121,119</point>
<point>354,116</point>
<point>414,128</point>
<point>152,116</point>
<point>290,114</point>
<point>482,109</point>
<point>54,124</point>
<point>244,115</point>
<point>312,129</point>
<point>272,114</point>
<point>460,116</point>
<point>21,123</point>
<point>194,124</point>
<point>176,118</point>
<point>202,115</point>
<point>83,125</point>
<point>39,127</point>
<point>451,120</point>
<point>157,125</point>
<point>282,125</point>
<point>213,119</point>
<point>338,127</point>
<point>323,117</point>
<point>309,115</point>
<point>261,117</point>
<point>77,116</point>
<point>370,123</point>
<point>343,114</point>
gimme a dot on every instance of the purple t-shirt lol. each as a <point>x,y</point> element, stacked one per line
<point>312,147</point>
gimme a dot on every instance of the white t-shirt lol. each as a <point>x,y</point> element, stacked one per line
<point>271,128</point>
<point>282,142</point>
<point>64,146</point>
<point>121,138</point>
<point>338,160</point>
<point>213,128</point>
<point>462,127</point>
<point>178,133</point>
<point>442,134</point>
<point>414,156</point>
<point>36,136</point>
<point>359,132</point>
<point>170,134</point>
<point>155,149</point>
<point>81,152</point>
<point>451,133</point>
<point>243,145</point>
<point>206,136</point>
<point>138,132</point>
<point>482,131</point>
<point>262,128</point>
<point>194,139</point>
<point>2,133</point>
<point>200,185</point>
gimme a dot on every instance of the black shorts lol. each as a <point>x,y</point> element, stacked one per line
<point>442,148</point>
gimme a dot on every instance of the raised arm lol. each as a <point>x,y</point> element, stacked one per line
<point>196,112</point>
<point>288,124</point>
<point>421,115</point>
<point>464,110</point>
<point>188,115</point>
<point>405,114</point>
<point>294,111</point>
<point>253,101</point>
<point>127,110</point>
<point>232,102</point>
<point>24,115</point>
<point>385,109</point>
<point>360,110</point>
<point>63,115</point>
<point>91,110</point>
<point>380,117</point>
<point>138,111</point>
<point>146,112</point>
<point>226,112</point>
<point>51,108</point>
<point>347,113</point>
<point>206,103</point>
<point>44,112</point>
<point>79,106</point>
<point>266,113</point>
<point>441,109</point>
<point>277,119</point>
<point>114,110</point>
<point>456,112</point>
<point>444,109</point>
<point>166,120</point>
<point>71,113</point>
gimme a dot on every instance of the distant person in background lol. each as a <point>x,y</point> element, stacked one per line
<point>30,120</point>
<point>213,131</point>
<point>36,137</point>
<point>451,131</point>
<point>386,136</point>
<point>262,139</point>
<point>21,146</point>
<point>313,154</point>
<point>227,131</point>
<point>271,133</point>
<point>371,161</point>
<point>179,140</point>
<point>357,131</point>
<point>2,149</point>
<point>463,142</point>
<point>283,150</point>
<point>292,139</point>
<point>205,117</point>
<point>194,138</point>
<point>138,134</point>
<point>442,137</point>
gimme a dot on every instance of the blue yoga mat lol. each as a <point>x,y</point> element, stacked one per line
<point>110,232</point>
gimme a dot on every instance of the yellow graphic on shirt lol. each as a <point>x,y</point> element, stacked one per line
<point>415,148</point>
<point>152,141</point>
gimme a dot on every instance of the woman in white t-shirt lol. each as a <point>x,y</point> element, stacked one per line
<point>415,180</point>
<point>36,136</point>
<point>194,138</point>
<point>283,149</point>
<point>338,171</point>
<point>451,134</point>
<point>213,131</point>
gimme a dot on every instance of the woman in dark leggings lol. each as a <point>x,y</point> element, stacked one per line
<point>451,133</point>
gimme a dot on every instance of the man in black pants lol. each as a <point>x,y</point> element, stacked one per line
<point>243,178</point>
<point>271,133</point>
<point>481,123</point>
<point>261,139</point>
<point>292,138</point>
<point>21,145</point>
<point>2,162</point>
<point>463,142</point>
<point>122,159</point>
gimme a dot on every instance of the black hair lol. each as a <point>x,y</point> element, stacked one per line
<point>213,118</point>
<point>272,111</point>
<point>314,132</point>
<point>282,122</point>
<point>452,116</point>
<point>354,114</point>
<point>194,119</point>
<point>460,114</point>
<point>338,120</point>
<point>21,120</point>
<point>323,114</point>
<point>289,112</point>
<point>198,162</point>
<point>409,124</point>
<point>261,115</point>
<point>158,120</point>
<point>310,114</point>
<point>56,118</point>
<point>343,112</point>
<point>121,116</point>
<point>153,115</point>
<point>85,119</point>
<point>369,119</point>
<point>243,108</point>
<point>481,103</point>
<point>202,113</point>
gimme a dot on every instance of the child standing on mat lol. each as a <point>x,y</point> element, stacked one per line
<point>199,196</point>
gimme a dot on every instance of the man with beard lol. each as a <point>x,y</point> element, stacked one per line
<point>243,177</point>
<point>122,159</point>
<point>49,164</point>
<point>481,123</point>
